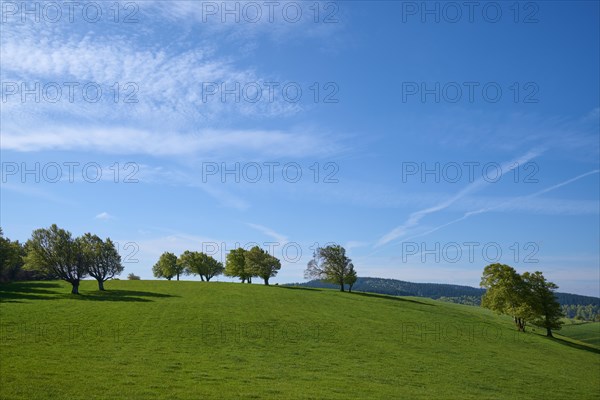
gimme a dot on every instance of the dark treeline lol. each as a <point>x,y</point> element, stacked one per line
<point>587,307</point>
<point>402,288</point>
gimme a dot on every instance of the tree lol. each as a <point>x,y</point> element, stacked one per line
<point>261,264</point>
<point>330,264</point>
<point>133,277</point>
<point>201,264</point>
<point>351,278</point>
<point>167,266</point>
<point>103,258</point>
<point>507,293</point>
<point>11,258</point>
<point>235,265</point>
<point>547,309</point>
<point>54,252</point>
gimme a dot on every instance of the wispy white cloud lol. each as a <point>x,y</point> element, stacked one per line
<point>279,238</point>
<point>354,244</point>
<point>104,216</point>
<point>35,192</point>
<point>261,143</point>
<point>415,217</point>
<point>507,204</point>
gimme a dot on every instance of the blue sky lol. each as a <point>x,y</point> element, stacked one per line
<point>331,114</point>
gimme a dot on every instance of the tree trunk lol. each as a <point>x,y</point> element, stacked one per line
<point>243,280</point>
<point>549,332</point>
<point>266,281</point>
<point>207,278</point>
<point>100,284</point>
<point>75,288</point>
<point>177,276</point>
<point>341,287</point>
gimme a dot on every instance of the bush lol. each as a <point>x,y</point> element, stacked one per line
<point>133,277</point>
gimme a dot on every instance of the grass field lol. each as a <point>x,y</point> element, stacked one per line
<point>587,332</point>
<point>194,340</point>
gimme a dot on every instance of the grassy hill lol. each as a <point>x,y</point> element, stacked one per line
<point>196,340</point>
<point>587,332</point>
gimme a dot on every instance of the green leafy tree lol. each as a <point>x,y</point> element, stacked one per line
<point>351,278</point>
<point>11,258</point>
<point>103,258</point>
<point>260,263</point>
<point>330,264</point>
<point>202,264</point>
<point>507,293</point>
<point>235,265</point>
<point>133,277</point>
<point>167,266</point>
<point>547,309</point>
<point>55,253</point>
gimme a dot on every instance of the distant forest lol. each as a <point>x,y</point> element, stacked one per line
<point>573,305</point>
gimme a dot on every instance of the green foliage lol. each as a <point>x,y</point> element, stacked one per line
<point>330,264</point>
<point>350,278</point>
<point>548,313</point>
<point>507,293</point>
<point>528,297</point>
<point>150,340</point>
<point>133,277</point>
<point>167,266</point>
<point>200,264</point>
<point>11,258</point>
<point>54,252</point>
<point>102,258</point>
<point>261,264</point>
<point>235,265</point>
<point>585,312</point>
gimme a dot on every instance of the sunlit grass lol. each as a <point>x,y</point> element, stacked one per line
<point>196,340</point>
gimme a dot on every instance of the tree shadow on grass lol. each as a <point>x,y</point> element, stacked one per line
<point>579,346</point>
<point>117,295</point>
<point>300,288</point>
<point>15,291</point>
<point>390,297</point>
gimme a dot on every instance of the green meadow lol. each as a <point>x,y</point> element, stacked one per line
<point>586,332</point>
<point>195,340</point>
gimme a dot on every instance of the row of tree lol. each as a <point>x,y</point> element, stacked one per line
<point>329,264</point>
<point>54,253</point>
<point>527,297</point>
<point>190,262</point>
<point>589,312</point>
<point>240,263</point>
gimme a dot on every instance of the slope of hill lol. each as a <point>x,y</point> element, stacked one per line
<point>587,332</point>
<point>436,290</point>
<point>197,340</point>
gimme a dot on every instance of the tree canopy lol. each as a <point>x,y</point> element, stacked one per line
<point>54,252</point>
<point>528,297</point>
<point>261,264</point>
<point>167,266</point>
<point>201,264</point>
<point>331,265</point>
<point>103,259</point>
<point>235,265</point>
